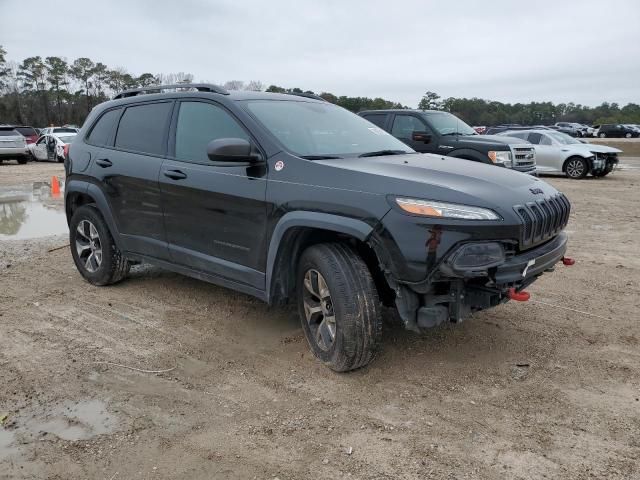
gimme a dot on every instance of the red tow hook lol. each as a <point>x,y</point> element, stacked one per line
<point>568,261</point>
<point>518,296</point>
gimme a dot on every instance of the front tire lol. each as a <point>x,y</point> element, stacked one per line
<point>338,306</point>
<point>94,251</point>
<point>602,135</point>
<point>576,168</point>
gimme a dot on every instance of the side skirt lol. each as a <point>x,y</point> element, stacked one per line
<point>216,280</point>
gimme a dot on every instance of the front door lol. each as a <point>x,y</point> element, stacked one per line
<point>215,213</point>
<point>403,127</point>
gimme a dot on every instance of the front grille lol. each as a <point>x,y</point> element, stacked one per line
<point>524,157</point>
<point>542,219</point>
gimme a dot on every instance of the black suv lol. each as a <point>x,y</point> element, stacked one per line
<point>434,131</point>
<point>291,198</point>
<point>617,130</point>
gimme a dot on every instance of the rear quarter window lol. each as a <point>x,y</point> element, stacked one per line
<point>103,129</point>
<point>142,128</point>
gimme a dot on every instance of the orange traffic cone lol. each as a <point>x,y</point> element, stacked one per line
<point>55,187</point>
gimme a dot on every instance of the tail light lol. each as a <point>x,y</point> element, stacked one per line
<point>65,149</point>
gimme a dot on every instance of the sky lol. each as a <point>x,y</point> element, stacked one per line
<point>579,51</point>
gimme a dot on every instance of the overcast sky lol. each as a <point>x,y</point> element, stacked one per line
<point>582,51</point>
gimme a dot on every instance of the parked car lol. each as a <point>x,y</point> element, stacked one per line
<point>616,130</point>
<point>13,145</point>
<point>557,152</point>
<point>507,127</point>
<point>293,199</point>
<point>480,129</point>
<point>29,133</point>
<point>50,130</point>
<point>431,131</point>
<point>633,127</point>
<point>52,147</point>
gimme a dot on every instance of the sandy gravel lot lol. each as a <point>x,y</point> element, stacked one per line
<point>525,391</point>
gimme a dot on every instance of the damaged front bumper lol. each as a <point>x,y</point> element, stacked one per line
<point>458,289</point>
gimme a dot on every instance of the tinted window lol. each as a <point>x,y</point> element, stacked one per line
<point>102,130</point>
<point>378,119</point>
<point>9,133</point>
<point>26,131</point>
<point>405,125</point>
<point>142,127</point>
<point>535,138</point>
<point>198,124</point>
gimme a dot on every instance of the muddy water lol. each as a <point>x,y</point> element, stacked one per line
<point>31,211</point>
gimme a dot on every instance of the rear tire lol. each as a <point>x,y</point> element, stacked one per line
<point>576,168</point>
<point>338,306</point>
<point>627,135</point>
<point>22,160</point>
<point>602,135</point>
<point>94,251</point>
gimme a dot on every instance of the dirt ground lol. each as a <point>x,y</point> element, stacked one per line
<point>524,391</point>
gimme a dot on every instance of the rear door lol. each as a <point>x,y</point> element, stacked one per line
<point>215,214</point>
<point>128,168</point>
<point>548,156</point>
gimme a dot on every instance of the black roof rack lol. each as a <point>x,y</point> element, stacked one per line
<point>201,87</point>
<point>306,95</point>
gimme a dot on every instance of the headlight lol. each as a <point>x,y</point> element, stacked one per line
<point>502,158</point>
<point>475,255</point>
<point>428,208</point>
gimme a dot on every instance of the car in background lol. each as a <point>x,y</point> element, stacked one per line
<point>56,130</point>
<point>29,133</point>
<point>441,133</point>
<point>557,152</point>
<point>480,129</point>
<point>52,147</point>
<point>632,126</point>
<point>616,130</point>
<point>508,127</point>
<point>13,145</point>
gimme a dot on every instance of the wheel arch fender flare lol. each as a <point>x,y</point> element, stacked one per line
<point>579,155</point>
<point>99,200</point>
<point>322,221</point>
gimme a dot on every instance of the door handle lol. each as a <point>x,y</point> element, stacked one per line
<point>104,162</point>
<point>175,174</point>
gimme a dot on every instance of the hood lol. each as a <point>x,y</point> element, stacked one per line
<point>441,178</point>
<point>507,140</point>
<point>487,140</point>
<point>593,147</point>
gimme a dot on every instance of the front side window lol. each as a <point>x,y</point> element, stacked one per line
<point>198,124</point>
<point>535,137</point>
<point>405,125</point>
<point>142,128</point>
<point>447,124</point>
<point>321,129</point>
<point>104,127</point>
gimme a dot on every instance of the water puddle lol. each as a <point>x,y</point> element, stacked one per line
<point>31,211</point>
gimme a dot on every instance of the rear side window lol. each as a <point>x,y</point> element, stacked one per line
<point>535,138</point>
<point>378,119</point>
<point>198,124</point>
<point>142,128</point>
<point>104,127</point>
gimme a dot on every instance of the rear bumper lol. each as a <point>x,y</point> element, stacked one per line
<point>523,268</point>
<point>13,152</point>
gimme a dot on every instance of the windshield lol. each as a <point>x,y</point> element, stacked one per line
<point>312,129</point>
<point>563,138</point>
<point>445,123</point>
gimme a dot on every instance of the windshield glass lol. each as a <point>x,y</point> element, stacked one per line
<point>563,138</point>
<point>321,129</point>
<point>445,123</point>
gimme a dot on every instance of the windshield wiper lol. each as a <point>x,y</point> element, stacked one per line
<point>319,157</point>
<point>380,153</point>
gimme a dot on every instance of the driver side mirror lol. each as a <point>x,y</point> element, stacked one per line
<point>418,136</point>
<point>237,150</point>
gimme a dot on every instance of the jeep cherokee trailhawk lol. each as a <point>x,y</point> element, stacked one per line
<point>291,198</point>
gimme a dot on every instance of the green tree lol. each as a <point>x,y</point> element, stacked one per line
<point>4,69</point>
<point>33,73</point>
<point>82,70</point>
<point>57,71</point>
<point>430,101</point>
<point>146,80</point>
